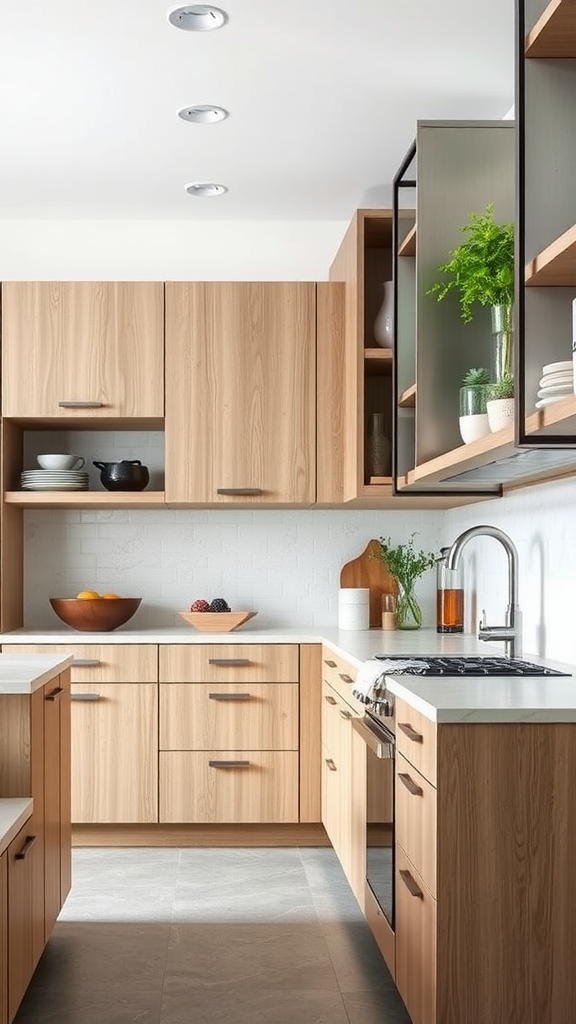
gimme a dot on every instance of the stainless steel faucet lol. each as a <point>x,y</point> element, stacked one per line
<point>511,633</point>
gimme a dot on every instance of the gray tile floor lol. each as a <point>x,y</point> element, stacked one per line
<point>210,936</point>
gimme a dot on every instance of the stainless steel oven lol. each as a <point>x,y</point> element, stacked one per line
<point>380,756</point>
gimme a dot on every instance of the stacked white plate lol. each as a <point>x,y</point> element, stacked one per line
<point>555,384</point>
<point>54,480</point>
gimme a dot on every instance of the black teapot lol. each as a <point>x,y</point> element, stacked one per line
<point>127,475</point>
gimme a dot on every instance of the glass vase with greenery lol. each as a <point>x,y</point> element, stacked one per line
<point>406,565</point>
<point>481,272</point>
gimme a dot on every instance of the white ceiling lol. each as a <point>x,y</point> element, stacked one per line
<point>323,98</point>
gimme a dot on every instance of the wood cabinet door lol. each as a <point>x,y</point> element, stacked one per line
<point>226,716</point>
<point>82,342</point>
<point>114,753</point>
<point>337,775</point>
<point>4,939</point>
<point>229,786</point>
<point>240,387</point>
<point>415,942</point>
<point>24,856</point>
<point>57,839</point>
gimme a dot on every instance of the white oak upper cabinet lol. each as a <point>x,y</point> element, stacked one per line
<point>240,393</point>
<point>78,349</point>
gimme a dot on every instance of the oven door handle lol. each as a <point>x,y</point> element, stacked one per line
<point>381,746</point>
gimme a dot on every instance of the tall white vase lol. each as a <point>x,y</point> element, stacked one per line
<point>382,328</point>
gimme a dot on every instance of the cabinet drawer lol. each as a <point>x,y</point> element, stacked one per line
<point>229,663</point>
<point>101,663</point>
<point>341,677</point>
<point>416,739</point>
<point>262,788</point>
<point>415,942</point>
<point>415,820</point>
<point>227,716</point>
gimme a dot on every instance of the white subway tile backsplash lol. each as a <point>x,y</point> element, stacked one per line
<point>286,563</point>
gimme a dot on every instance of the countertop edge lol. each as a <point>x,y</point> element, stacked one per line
<point>14,813</point>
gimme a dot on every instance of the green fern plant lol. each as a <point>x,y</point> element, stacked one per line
<point>481,269</point>
<point>476,377</point>
<point>503,388</point>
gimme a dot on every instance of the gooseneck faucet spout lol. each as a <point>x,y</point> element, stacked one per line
<point>511,633</point>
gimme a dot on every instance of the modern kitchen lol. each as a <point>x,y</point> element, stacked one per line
<point>232,423</point>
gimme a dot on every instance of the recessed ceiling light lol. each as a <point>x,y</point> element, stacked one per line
<point>203,114</point>
<point>205,189</point>
<point>198,18</point>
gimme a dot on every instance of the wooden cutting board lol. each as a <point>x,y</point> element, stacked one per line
<point>367,571</point>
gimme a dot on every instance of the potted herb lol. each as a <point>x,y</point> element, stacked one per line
<point>500,404</point>
<point>473,413</point>
<point>481,271</point>
<point>406,566</point>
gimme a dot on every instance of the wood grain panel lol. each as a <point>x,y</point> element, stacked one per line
<point>416,948</point>
<point>4,938</point>
<point>266,790</point>
<point>416,739</point>
<point>115,753</point>
<point>310,729</point>
<point>250,835</point>
<point>506,893</point>
<point>266,663</point>
<point>116,663</point>
<point>241,376</point>
<point>221,716</point>
<point>330,430</point>
<point>11,532</point>
<point>415,820</point>
<point>100,341</point>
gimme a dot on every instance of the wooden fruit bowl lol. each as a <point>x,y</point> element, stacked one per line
<point>95,614</point>
<point>216,622</point>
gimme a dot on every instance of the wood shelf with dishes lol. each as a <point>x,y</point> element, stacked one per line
<point>546,48</point>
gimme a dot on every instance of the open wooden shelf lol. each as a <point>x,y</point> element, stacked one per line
<point>554,34</point>
<point>85,499</point>
<point>407,246</point>
<point>378,360</point>
<point>555,266</point>
<point>407,398</point>
<point>548,420</point>
<point>496,447</point>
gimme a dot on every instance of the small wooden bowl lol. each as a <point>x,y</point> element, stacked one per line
<point>216,622</point>
<point>95,614</point>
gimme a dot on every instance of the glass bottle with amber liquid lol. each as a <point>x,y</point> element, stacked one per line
<point>449,597</point>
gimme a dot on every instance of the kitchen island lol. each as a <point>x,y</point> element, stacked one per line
<point>35,845</point>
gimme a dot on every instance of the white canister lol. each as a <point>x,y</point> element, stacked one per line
<point>354,608</point>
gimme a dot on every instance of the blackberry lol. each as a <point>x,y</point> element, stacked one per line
<point>219,605</point>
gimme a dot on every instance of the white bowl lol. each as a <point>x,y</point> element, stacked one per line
<point>60,461</point>
<point>474,427</point>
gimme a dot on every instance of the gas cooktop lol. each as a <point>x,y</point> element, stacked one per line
<point>467,666</point>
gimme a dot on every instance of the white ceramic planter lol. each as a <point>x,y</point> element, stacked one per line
<point>500,413</point>
<point>474,427</point>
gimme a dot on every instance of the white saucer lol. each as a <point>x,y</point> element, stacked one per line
<point>559,389</point>
<point>555,380</point>
<point>543,402</point>
<point>558,367</point>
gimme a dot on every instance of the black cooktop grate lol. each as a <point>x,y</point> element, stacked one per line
<point>468,666</point>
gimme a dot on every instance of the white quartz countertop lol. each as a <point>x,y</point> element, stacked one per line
<point>14,812</point>
<point>24,673</point>
<point>442,699</point>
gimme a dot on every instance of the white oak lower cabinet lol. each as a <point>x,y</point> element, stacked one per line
<point>4,938</point>
<point>24,861</point>
<point>114,730</point>
<point>34,762</point>
<point>229,727</point>
<point>344,788</point>
<point>485,854</point>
